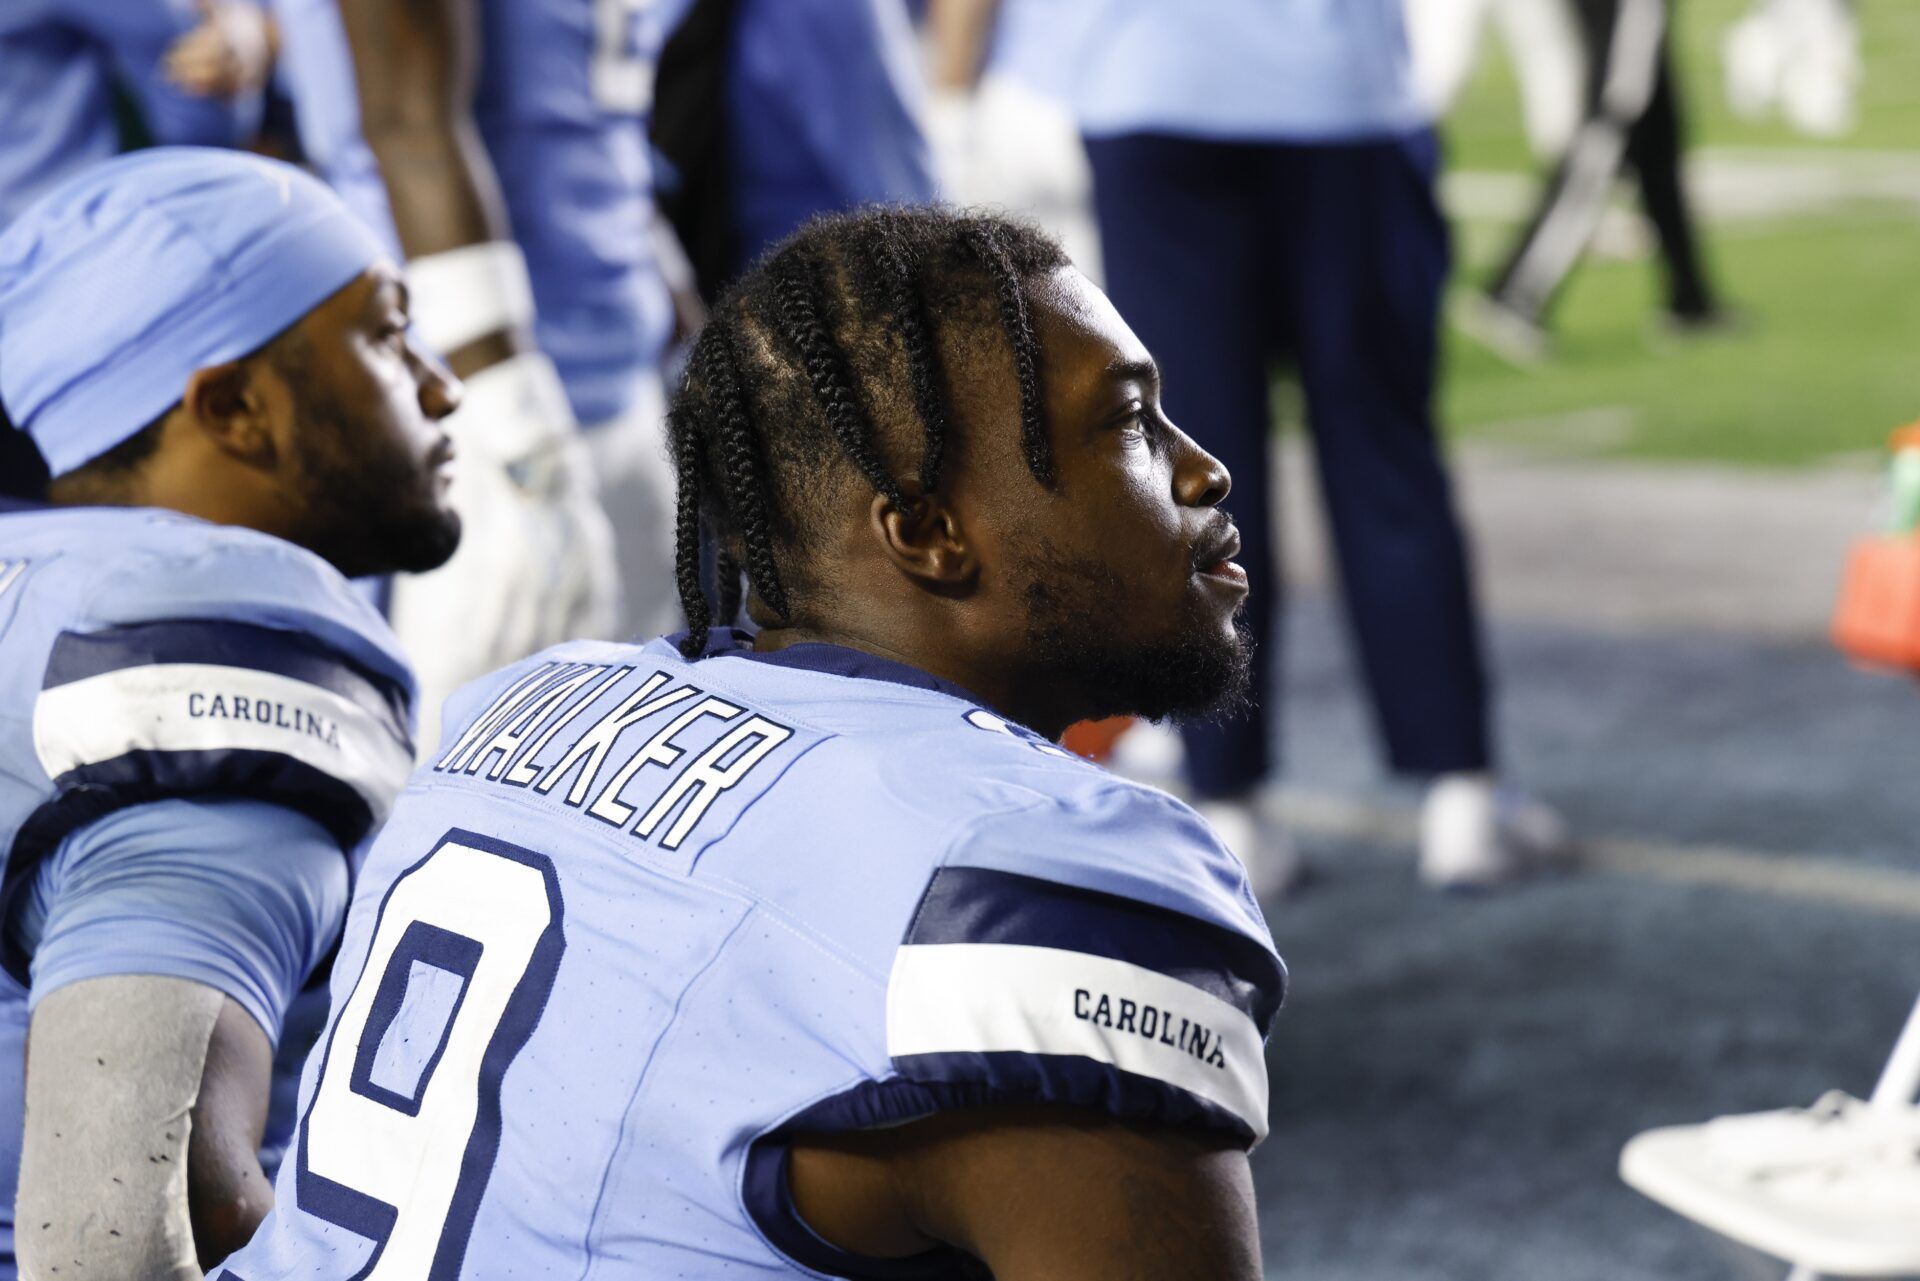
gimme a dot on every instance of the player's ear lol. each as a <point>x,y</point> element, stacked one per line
<point>231,406</point>
<point>924,539</point>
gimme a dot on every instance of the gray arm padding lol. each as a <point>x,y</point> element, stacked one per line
<point>113,1072</point>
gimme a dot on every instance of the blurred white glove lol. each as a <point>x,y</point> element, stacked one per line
<point>1010,147</point>
<point>947,121</point>
<point>536,559</point>
<point>1799,56</point>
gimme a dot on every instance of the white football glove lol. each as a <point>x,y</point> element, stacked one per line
<point>535,564</point>
<point>1800,56</point>
<point>1013,147</point>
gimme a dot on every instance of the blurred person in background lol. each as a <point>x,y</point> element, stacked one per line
<point>232,51</point>
<point>1632,118</point>
<point>823,110</point>
<point>1000,117</point>
<point>1543,47</point>
<point>1264,182</point>
<point>501,145</point>
<point>64,62</point>
<point>774,111</point>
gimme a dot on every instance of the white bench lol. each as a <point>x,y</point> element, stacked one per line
<point>1833,1189</point>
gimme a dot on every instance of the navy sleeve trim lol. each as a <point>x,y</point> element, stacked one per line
<point>981,905</point>
<point>948,1084</point>
<point>768,1196</point>
<point>1053,994</point>
<point>76,656</point>
<point>91,792</point>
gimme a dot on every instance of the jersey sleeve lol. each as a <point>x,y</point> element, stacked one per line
<point>1099,951</point>
<point>249,669</point>
<point>232,666</point>
<point>178,889</point>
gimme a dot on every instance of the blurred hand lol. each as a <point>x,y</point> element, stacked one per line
<point>230,53</point>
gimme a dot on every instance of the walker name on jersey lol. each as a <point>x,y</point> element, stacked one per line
<point>230,706</point>
<point>539,735</point>
<point>1152,1022</point>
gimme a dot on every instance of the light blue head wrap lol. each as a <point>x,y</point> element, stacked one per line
<point>121,282</point>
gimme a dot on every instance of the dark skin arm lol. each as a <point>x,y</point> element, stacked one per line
<point>1037,1194</point>
<point>228,1194</point>
<point>960,32</point>
<point>415,63</point>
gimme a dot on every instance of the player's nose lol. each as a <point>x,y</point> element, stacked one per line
<point>1199,479</point>
<point>440,391</point>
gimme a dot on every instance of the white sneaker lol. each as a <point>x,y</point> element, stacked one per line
<point>1252,829</point>
<point>1474,835</point>
<point>1508,333</point>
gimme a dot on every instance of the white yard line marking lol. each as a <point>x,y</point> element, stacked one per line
<point>1833,882</point>
<point>1728,184</point>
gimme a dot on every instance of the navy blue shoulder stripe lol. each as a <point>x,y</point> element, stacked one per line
<point>985,905</point>
<point>226,643</point>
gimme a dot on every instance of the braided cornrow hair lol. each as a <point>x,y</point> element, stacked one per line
<point>909,308</point>
<point>796,285</point>
<point>987,242</point>
<point>746,487</point>
<point>683,442</point>
<point>824,362</point>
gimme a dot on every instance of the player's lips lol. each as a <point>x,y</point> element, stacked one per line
<point>1214,559</point>
<point>1227,571</point>
<point>440,462</point>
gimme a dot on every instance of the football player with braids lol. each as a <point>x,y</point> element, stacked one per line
<point>808,951</point>
<point>711,426</point>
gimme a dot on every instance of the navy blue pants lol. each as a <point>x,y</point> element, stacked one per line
<point>1227,258</point>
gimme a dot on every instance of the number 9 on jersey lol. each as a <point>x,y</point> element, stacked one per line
<point>406,1111</point>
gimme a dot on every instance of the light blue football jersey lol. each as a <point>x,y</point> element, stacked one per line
<point>643,918</point>
<point>149,659</point>
<point>1243,70</point>
<point>60,61</point>
<point>562,100</point>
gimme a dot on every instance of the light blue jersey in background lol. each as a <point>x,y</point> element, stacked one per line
<point>642,918</point>
<point>562,100</point>
<point>198,727</point>
<point>60,61</point>
<point>823,104</point>
<point>1244,70</point>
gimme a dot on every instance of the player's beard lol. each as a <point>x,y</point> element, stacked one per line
<point>1079,635</point>
<point>372,508</point>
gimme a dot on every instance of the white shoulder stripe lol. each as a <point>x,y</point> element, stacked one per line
<point>186,707</point>
<point>984,998</point>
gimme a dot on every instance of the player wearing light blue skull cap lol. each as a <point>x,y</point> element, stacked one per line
<point>122,281</point>
<point>200,720</point>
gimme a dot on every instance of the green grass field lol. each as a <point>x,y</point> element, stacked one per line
<point>1831,359</point>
